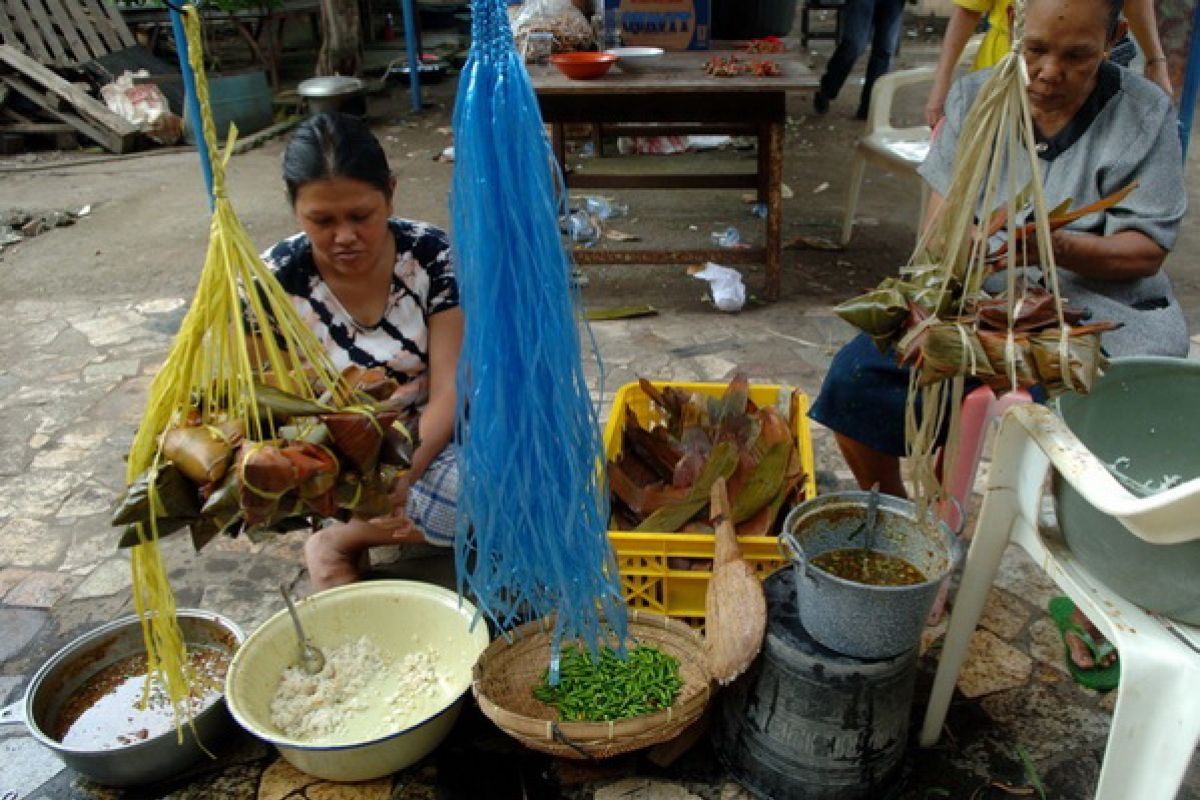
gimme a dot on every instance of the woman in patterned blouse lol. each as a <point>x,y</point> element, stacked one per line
<point>378,292</point>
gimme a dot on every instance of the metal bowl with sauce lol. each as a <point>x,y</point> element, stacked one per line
<point>82,703</point>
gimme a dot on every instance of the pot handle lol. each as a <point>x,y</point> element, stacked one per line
<point>790,549</point>
<point>13,714</point>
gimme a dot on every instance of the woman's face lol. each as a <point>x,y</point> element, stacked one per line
<point>346,221</point>
<point>1065,43</point>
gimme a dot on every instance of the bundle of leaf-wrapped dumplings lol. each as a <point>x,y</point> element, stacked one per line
<point>313,461</point>
<point>918,317</point>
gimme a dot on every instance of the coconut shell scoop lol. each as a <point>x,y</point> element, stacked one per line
<point>735,607</point>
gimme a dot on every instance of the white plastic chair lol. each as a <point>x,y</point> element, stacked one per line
<point>894,149</point>
<point>1156,722</point>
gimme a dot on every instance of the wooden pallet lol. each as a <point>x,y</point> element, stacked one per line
<point>63,33</point>
<point>64,102</point>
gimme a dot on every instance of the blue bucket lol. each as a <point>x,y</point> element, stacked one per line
<point>242,98</point>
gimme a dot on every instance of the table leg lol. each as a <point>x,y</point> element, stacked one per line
<point>774,212</point>
<point>558,140</point>
<point>764,162</point>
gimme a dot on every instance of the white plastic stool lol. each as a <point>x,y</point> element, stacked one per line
<point>1156,722</point>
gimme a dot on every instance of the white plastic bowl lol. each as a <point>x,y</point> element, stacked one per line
<point>637,59</point>
<point>401,617</point>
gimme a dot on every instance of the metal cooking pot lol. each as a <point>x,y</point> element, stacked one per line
<point>853,618</point>
<point>148,761</point>
<point>333,93</point>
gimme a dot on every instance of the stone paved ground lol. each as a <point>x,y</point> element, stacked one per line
<point>89,311</point>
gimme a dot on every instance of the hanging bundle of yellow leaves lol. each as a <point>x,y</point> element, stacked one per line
<point>248,427</point>
<point>936,315</point>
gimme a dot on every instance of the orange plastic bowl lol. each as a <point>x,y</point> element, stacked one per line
<point>583,66</point>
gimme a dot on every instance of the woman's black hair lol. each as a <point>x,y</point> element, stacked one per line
<point>334,145</point>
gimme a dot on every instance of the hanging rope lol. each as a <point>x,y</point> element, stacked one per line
<point>533,509</point>
<point>209,373</point>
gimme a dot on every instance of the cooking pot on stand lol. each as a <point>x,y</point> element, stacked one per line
<point>335,93</point>
<point>148,761</point>
<point>857,619</point>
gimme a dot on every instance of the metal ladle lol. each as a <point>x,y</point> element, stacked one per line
<point>312,660</point>
<point>868,525</point>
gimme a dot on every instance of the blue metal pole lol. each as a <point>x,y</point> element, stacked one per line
<point>1191,84</point>
<point>192,101</point>
<point>413,46</point>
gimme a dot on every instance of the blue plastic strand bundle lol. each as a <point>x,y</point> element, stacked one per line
<point>532,508</point>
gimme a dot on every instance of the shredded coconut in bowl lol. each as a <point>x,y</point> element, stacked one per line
<point>340,703</point>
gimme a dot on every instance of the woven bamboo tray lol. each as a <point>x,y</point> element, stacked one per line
<point>507,672</point>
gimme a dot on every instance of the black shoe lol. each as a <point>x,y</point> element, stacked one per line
<point>820,102</point>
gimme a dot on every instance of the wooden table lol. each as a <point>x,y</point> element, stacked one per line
<point>677,97</point>
<point>261,29</point>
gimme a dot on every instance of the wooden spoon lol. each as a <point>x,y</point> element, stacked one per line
<point>735,607</point>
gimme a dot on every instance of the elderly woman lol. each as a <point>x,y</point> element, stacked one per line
<point>1098,127</point>
<point>965,16</point>
<point>377,291</point>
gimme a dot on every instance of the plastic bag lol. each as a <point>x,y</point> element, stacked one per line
<point>570,28</point>
<point>144,105</point>
<point>728,291</point>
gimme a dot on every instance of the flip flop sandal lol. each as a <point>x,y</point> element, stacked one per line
<point>1101,679</point>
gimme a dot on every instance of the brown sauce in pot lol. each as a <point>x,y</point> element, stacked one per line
<point>106,712</point>
<point>869,567</point>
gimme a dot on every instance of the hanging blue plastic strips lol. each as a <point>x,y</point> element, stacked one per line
<point>532,506</point>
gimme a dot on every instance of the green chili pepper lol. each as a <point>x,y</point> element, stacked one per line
<point>606,687</point>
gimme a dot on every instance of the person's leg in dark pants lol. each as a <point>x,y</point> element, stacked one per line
<point>856,30</point>
<point>888,16</point>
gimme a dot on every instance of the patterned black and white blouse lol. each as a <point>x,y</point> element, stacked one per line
<point>423,284</point>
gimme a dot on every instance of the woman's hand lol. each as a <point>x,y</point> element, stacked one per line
<point>935,105</point>
<point>397,522</point>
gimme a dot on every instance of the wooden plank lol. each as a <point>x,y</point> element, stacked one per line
<point>113,14</point>
<point>79,51</point>
<point>28,31</point>
<point>591,180</point>
<point>39,128</point>
<point>109,140</point>
<point>82,102</point>
<point>7,34</point>
<point>100,23</point>
<point>720,107</point>
<point>49,35</point>
<point>80,22</point>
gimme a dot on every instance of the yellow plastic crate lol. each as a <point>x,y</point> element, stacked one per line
<point>643,558</point>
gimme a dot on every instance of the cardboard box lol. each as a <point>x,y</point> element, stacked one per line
<point>669,24</point>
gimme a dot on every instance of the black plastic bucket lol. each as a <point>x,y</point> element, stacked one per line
<point>806,723</point>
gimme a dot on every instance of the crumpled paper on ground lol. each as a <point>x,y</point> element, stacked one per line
<point>728,290</point>
<point>144,105</point>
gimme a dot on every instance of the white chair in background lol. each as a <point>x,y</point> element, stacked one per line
<point>1156,721</point>
<point>894,149</point>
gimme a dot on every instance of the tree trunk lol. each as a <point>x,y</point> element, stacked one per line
<point>341,38</point>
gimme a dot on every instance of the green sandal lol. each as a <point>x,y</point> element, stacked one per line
<point>1102,679</point>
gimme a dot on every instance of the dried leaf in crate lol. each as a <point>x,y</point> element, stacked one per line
<point>673,516</point>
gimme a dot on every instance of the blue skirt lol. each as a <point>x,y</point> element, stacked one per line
<point>864,395</point>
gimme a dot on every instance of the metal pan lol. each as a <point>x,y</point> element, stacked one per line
<point>148,761</point>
